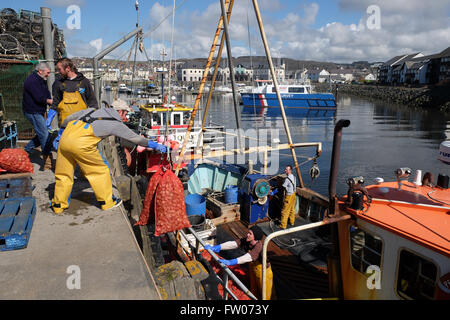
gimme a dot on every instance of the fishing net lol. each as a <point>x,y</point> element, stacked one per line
<point>12,77</point>
<point>21,45</point>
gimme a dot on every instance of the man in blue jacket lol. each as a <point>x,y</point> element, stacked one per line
<point>36,97</point>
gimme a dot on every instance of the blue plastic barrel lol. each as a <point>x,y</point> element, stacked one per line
<point>195,204</point>
<point>231,194</point>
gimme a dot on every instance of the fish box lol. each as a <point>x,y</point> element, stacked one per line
<point>208,236</point>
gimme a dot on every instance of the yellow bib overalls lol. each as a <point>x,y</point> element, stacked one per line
<point>78,145</point>
<point>71,102</point>
<point>255,273</point>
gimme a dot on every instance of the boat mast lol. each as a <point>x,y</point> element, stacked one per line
<point>200,93</point>
<point>214,77</point>
<point>275,83</point>
<point>233,82</point>
<point>136,45</point>
<point>168,113</point>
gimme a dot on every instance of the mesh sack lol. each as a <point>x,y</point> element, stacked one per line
<point>15,161</point>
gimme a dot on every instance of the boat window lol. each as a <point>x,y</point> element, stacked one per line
<point>416,278</point>
<point>156,119</point>
<point>176,119</point>
<point>296,90</point>
<point>365,249</point>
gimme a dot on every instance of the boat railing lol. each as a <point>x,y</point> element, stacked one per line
<point>227,274</point>
<point>285,232</point>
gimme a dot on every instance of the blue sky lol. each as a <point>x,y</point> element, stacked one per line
<point>326,30</point>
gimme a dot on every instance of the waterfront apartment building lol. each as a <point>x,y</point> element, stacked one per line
<point>416,68</point>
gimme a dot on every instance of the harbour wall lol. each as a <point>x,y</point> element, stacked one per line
<point>427,97</point>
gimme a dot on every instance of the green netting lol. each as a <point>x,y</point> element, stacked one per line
<point>12,78</point>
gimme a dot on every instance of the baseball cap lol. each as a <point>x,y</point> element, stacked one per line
<point>119,104</point>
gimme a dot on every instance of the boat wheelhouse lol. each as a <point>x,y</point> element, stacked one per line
<point>152,124</point>
<point>397,244</point>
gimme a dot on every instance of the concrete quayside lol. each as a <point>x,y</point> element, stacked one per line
<point>83,254</point>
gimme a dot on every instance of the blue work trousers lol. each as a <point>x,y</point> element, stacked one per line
<point>42,137</point>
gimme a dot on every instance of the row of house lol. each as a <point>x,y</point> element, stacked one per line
<point>416,68</point>
<point>340,75</point>
<point>193,72</point>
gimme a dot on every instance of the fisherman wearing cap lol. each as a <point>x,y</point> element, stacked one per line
<point>83,130</point>
<point>122,108</point>
<point>253,246</point>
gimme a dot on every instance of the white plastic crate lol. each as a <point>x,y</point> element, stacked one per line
<point>208,236</point>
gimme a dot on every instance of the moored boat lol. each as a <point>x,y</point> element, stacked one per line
<point>298,99</point>
<point>397,244</point>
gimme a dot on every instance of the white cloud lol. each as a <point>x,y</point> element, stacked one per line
<point>406,26</point>
<point>310,13</point>
<point>79,48</point>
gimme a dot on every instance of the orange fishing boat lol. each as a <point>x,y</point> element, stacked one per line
<point>397,244</point>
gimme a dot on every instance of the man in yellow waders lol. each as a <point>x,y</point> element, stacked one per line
<point>288,212</point>
<point>78,145</point>
<point>72,92</point>
<point>253,246</point>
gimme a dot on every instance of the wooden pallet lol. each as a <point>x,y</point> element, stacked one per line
<point>15,186</point>
<point>16,221</point>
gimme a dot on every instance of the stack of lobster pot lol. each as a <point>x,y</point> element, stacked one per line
<point>21,35</point>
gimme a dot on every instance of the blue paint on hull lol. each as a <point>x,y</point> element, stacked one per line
<point>319,104</point>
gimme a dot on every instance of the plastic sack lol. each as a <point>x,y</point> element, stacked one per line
<point>15,161</point>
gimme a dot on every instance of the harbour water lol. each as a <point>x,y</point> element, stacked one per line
<point>381,138</point>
